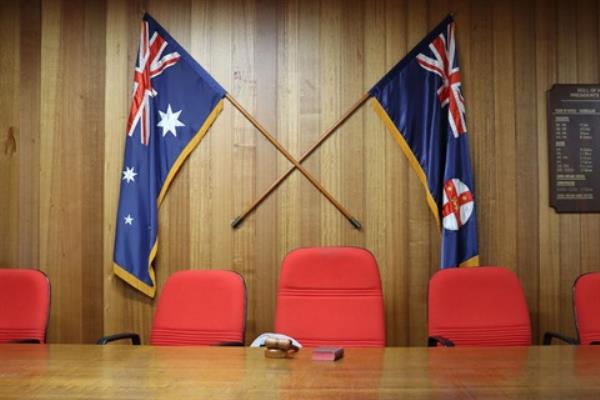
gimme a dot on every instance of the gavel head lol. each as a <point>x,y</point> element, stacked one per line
<point>280,344</point>
<point>279,348</point>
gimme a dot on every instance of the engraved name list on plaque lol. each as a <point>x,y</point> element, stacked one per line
<point>574,147</point>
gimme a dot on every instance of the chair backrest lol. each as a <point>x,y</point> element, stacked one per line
<point>482,306</point>
<point>586,301</point>
<point>200,307</point>
<point>24,304</point>
<point>331,296</point>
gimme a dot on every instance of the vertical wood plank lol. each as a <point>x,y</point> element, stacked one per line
<point>289,200</point>
<point>201,198</point>
<point>480,103</point>
<point>374,222</point>
<point>92,92</point>
<point>48,98</point>
<point>307,221</point>
<point>244,151</point>
<point>70,219</point>
<point>352,86</point>
<point>526,151</point>
<point>222,184</point>
<point>330,91</point>
<point>570,252</point>
<point>266,268</point>
<point>10,150</point>
<point>29,135</point>
<point>549,255</point>
<point>504,216</point>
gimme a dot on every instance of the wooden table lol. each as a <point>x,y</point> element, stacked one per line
<point>144,372</point>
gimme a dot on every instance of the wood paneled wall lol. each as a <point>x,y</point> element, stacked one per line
<point>65,77</point>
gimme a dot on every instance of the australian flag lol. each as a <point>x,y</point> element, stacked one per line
<point>174,103</point>
<point>421,103</point>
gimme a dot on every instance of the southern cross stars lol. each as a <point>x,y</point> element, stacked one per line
<point>128,220</point>
<point>129,174</point>
<point>169,121</point>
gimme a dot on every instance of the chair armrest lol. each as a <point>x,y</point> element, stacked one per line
<point>135,338</point>
<point>25,341</point>
<point>433,341</point>
<point>548,336</point>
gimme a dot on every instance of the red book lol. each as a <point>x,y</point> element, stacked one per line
<point>327,353</point>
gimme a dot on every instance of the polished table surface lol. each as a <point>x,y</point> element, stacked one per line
<point>145,372</point>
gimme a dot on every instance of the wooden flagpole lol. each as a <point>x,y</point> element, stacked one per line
<point>291,159</point>
<point>238,220</point>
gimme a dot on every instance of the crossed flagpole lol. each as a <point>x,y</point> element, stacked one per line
<point>297,163</point>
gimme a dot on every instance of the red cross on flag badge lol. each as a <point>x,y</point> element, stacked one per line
<point>458,204</point>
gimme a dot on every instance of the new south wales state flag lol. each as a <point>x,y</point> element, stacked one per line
<point>421,103</point>
<point>174,103</point>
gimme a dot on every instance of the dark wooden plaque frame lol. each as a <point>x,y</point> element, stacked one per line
<point>574,147</point>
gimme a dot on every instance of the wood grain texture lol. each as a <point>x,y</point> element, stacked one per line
<point>504,138</point>
<point>65,79</point>
<point>527,195</point>
<point>569,224</point>
<point>29,135</point>
<point>71,181</point>
<point>19,134</point>
<point>549,232</point>
<point>141,372</point>
<point>264,270</point>
<point>10,149</point>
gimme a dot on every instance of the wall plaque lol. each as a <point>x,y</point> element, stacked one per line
<point>574,147</point>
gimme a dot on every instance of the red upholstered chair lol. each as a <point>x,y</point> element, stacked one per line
<point>331,296</point>
<point>482,306</point>
<point>24,305</point>
<point>197,307</point>
<point>586,305</point>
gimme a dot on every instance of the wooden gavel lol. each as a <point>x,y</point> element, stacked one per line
<point>279,348</point>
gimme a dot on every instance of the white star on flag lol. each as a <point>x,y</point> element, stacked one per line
<point>129,174</point>
<point>128,220</point>
<point>169,121</point>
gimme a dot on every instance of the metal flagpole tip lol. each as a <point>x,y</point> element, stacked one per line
<point>355,223</point>
<point>236,222</point>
